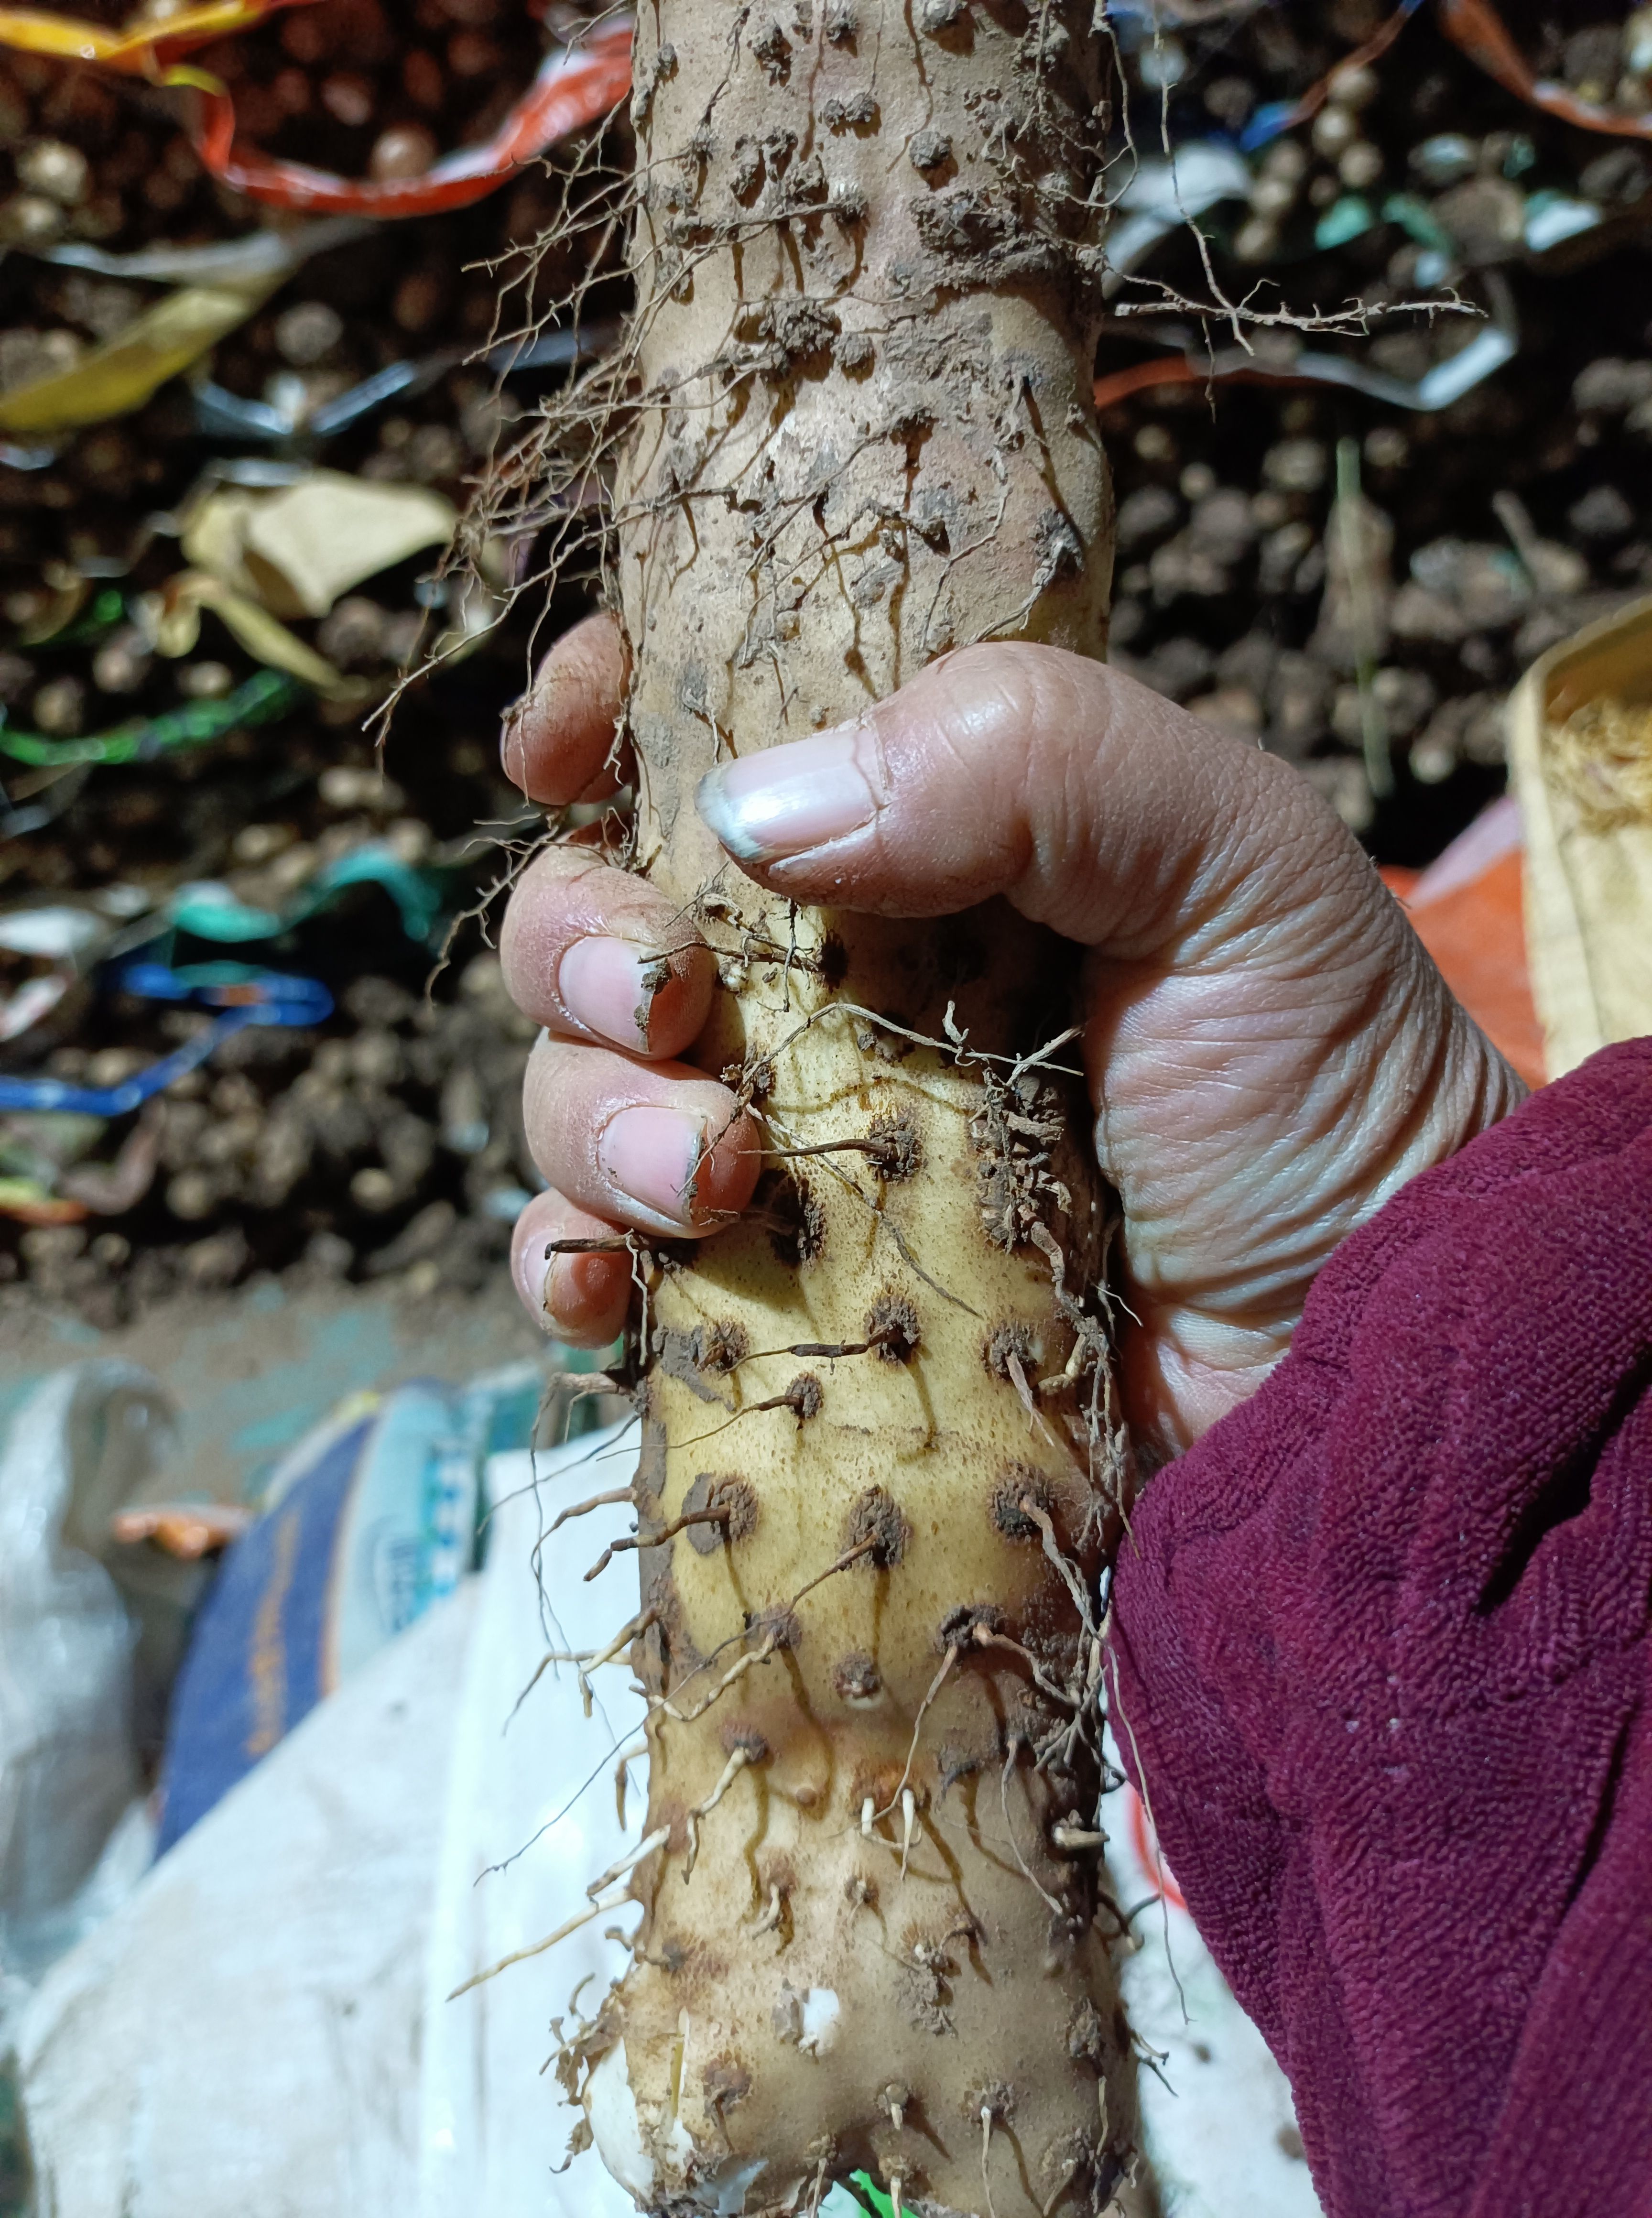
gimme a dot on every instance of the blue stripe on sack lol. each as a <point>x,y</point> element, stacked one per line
<point>257,1662</point>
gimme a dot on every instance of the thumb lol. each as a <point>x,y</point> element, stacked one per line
<point>1096,806</point>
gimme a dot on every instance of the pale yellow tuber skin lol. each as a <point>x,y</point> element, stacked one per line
<point>861,1595</point>
<point>876,1479</point>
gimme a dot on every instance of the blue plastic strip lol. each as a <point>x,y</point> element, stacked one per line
<point>279,1001</point>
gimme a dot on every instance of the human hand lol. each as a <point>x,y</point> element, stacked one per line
<point>1270,1051</point>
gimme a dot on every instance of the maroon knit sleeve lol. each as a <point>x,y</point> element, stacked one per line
<point>1381,1662</point>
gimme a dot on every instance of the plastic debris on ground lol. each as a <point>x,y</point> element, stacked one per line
<point>184,689</point>
<point>299,241</point>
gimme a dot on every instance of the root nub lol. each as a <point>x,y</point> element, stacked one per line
<point>878,1520</point>
<point>1020,1485</point>
<point>855,1678</point>
<point>892,1328</point>
<point>721,1346</point>
<point>894,1148</point>
<point>726,1493</point>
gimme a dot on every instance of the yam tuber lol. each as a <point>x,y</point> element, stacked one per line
<point>878,1476</point>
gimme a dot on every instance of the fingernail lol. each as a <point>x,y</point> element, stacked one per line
<point>796,797</point>
<point>611,984</point>
<point>533,1274</point>
<point>511,738</point>
<point>652,1155</point>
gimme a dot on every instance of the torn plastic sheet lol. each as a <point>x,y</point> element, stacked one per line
<point>220,286</point>
<point>1486,352</point>
<point>1164,193</point>
<point>111,1189</point>
<point>267,997</point>
<point>121,376</point>
<point>68,935</point>
<point>59,933</point>
<point>224,415</point>
<point>45,1159</point>
<point>1552,218</point>
<point>171,620</point>
<point>298,549</point>
<point>31,1203</point>
<point>36,998</point>
<point>1278,117</point>
<point>270,253</point>
<point>1549,219</point>
<point>264,696</point>
<point>576,86</point>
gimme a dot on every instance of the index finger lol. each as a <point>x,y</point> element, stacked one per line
<point>557,742</point>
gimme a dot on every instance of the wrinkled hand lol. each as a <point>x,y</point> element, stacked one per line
<point>1270,1053</point>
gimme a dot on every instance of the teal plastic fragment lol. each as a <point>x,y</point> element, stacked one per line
<point>1418,221</point>
<point>210,911</point>
<point>1348,217</point>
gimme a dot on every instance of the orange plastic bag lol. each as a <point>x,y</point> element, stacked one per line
<point>1468,911</point>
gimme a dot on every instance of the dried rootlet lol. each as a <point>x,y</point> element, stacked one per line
<point>875,1486</point>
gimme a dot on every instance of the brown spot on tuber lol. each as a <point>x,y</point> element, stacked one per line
<point>796,1219</point>
<point>804,330</point>
<point>953,1765</point>
<point>677,1354</point>
<point>1019,1485</point>
<point>833,961</point>
<point>805,1397</point>
<point>651,1462</point>
<point>997,2099</point>
<point>746,179</point>
<point>721,1346</point>
<point>854,354</point>
<point>929,151</point>
<point>725,2083</point>
<point>955,1627</point>
<point>855,1678</point>
<point>858,112</point>
<point>774,50</point>
<point>877,1518</point>
<point>894,1148</point>
<point>892,1328</point>
<point>840,25</point>
<point>734,1496</point>
<point>1087,2036</point>
<point>1010,1340</point>
<point>1061,550</point>
<point>777,1627</point>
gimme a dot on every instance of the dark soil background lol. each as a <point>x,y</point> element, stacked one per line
<point>386,1144</point>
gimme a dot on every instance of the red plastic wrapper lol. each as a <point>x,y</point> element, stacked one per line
<point>1476,26</point>
<point>576,86</point>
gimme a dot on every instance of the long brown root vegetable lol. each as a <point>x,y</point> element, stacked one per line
<point>878,1477</point>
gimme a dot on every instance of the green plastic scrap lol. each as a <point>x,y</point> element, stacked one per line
<point>266,695</point>
<point>105,612</point>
